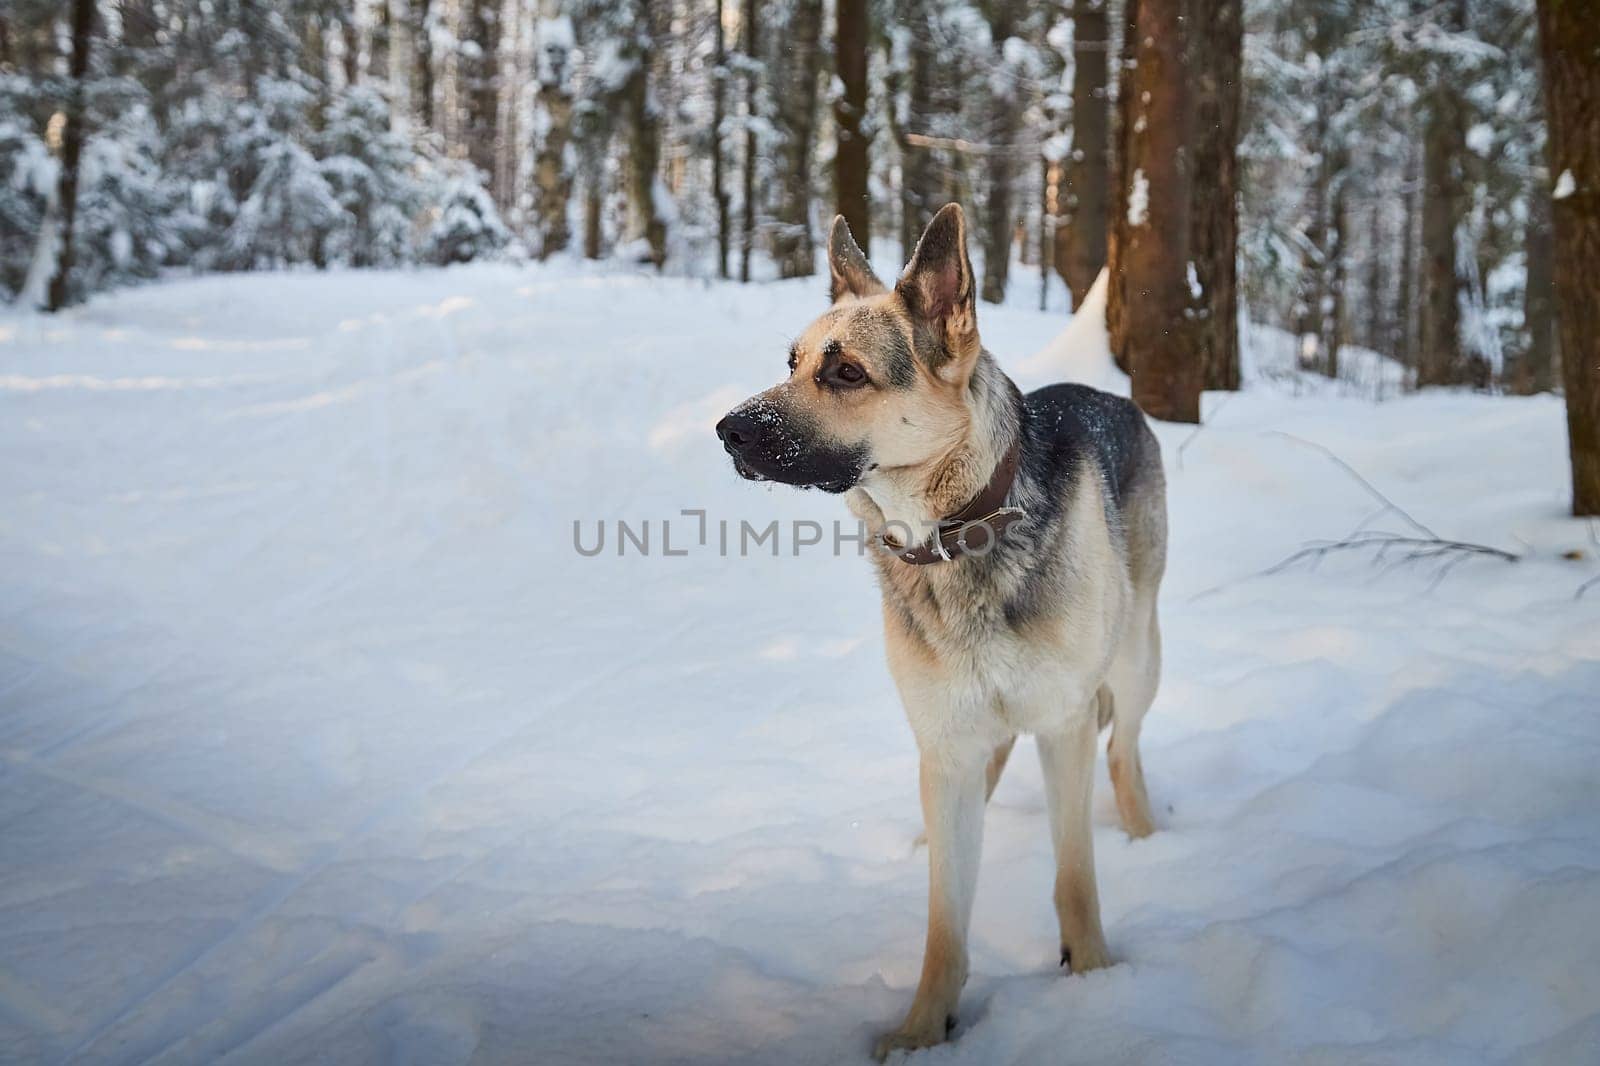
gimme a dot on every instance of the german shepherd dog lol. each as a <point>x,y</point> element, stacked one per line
<point>1032,612</point>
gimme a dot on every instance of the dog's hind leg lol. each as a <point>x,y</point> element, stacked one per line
<point>1135,672</point>
<point>1067,759</point>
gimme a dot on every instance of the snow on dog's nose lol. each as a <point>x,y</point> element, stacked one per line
<point>770,443</point>
<point>738,432</point>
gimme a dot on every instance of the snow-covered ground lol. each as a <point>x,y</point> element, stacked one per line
<point>319,742</point>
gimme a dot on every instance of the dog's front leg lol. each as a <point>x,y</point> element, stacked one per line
<point>952,812</point>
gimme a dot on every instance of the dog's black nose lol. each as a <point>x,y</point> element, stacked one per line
<point>738,431</point>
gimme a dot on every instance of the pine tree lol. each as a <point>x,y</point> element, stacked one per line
<point>28,183</point>
<point>469,226</point>
<point>132,218</point>
<point>369,168</point>
<point>285,207</point>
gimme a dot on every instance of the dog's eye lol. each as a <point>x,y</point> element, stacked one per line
<point>849,374</point>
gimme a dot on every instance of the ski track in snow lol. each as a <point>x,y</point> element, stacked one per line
<point>320,742</point>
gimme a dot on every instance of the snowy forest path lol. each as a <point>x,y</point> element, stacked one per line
<point>319,738</point>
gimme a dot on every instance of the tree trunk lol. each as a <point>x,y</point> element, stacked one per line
<point>481,94</point>
<point>719,112</point>
<point>1316,294</point>
<point>1217,72</point>
<point>795,107</point>
<point>422,53</point>
<point>1439,359</point>
<point>1160,345</point>
<point>1375,330</point>
<point>593,210</point>
<point>919,193</point>
<point>252,20</point>
<point>510,78</point>
<point>1047,236</point>
<point>1081,235</point>
<point>313,53</point>
<point>351,35</point>
<point>1003,114</point>
<point>552,175</point>
<point>750,46</point>
<point>1404,343</point>
<point>1569,38</point>
<point>1313,277</point>
<point>1538,299</point>
<point>140,55</point>
<point>849,115</point>
<point>402,58</point>
<point>1117,235</point>
<point>1333,322</point>
<point>72,151</point>
<point>644,135</point>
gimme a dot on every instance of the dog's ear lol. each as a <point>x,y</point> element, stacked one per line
<point>938,292</point>
<point>848,268</point>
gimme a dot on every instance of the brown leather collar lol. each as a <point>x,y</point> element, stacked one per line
<point>976,527</point>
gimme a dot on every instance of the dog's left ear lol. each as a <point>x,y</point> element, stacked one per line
<point>937,290</point>
<point>848,268</point>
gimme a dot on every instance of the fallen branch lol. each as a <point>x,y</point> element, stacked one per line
<point>1389,505</point>
<point>1411,550</point>
<point>1422,547</point>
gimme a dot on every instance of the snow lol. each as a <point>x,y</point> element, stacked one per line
<point>319,742</point>
<point>1565,186</point>
<point>1480,138</point>
<point>557,32</point>
<point>1139,199</point>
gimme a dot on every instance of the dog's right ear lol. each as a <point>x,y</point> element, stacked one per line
<point>848,268</point>
<point>937,289</point>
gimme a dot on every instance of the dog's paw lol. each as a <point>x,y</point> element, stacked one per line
<point>1081,958</point>
<point>1138,826</point>
<point>907,1038</point>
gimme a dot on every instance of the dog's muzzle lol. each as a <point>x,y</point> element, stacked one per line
<point>766,449</point>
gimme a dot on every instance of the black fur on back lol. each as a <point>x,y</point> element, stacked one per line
<point>1061,425</point>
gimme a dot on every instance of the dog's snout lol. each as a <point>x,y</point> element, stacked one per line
<point>738,431</point>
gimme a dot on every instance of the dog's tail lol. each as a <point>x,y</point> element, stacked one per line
<point>1106,704</point>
